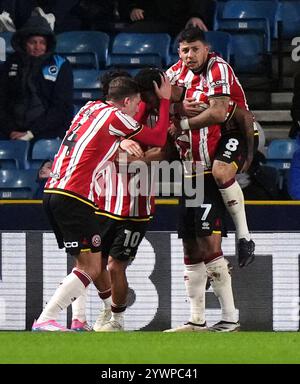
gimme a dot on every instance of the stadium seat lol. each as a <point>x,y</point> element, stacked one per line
<point>290,17</point>
<point>84,49</point>
<point>250,45</point>
<point>241,9</point>
<point>17,184</point>
<point>281,149</point>
<point>5,45</point>
<point>219,41</point>
<point>279,155</point>
<point>14,154</point>
<point>43,149</point>
<point>2,50</point>
<point>140,49</point>
<point>87,86</point>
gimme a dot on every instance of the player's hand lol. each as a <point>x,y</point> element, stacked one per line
<point>247,163</point>
<point>191,107</point>
<point>175,130</point>
<point>196,22</point>
<point>132,148</point>
<point>15,135</point>
<point>165,89</point>
<point>137,14</point>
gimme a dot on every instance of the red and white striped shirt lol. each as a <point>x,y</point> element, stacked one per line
<point>216,79</point>
<point>88,147</point>
<point>128,195</point>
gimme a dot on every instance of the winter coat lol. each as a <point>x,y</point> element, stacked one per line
<point>36,92</point>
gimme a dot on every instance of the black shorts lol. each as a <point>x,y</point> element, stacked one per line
<point>206,219</point>
<point>74,223</point>
<point>122,237</point>
<point>232,148</point>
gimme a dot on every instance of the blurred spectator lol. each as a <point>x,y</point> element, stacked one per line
<point>42,177</point>
<point>259,183</point>
<point>98,15</point>
<point>36,86</point>
<point>67,14</point>
<point>15,13</point>
<point>169,16</point>
<point>295,110</point>
<point>294,177</point>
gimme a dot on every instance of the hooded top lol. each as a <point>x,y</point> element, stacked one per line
<point>35,26</point>
<point>36,91</point>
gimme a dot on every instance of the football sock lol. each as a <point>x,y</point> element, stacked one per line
<point>72,287</point>
<point>221,283</point>
<point>195,280</point>
<point>79,307</point>
<point>118,312</point>
<point>105,296</point>
<point>233,198</point>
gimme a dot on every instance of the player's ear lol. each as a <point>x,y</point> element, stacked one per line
<point>126,101</point>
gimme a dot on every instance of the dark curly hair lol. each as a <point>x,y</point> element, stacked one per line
<point>145,78</point>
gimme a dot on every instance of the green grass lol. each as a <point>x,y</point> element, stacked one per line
<point>149,347</point>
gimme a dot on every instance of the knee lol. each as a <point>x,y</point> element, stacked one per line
<point>189,260</point>
<point>192,255</point>
<point>222,173</point>
<point>116,267</point>
<point>94,271</point>
<point>220,271</point>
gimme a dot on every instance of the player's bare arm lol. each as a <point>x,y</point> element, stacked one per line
<point>243,120</point>
<point>214,114</point>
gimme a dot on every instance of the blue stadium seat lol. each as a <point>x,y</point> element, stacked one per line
<point>250,45</point>
<point>43,149</point>
<point>281,150</point>
<point>219,41</point>
<point>241,9</point>
<point>279,155</point>
<point>14,154</point>
<point>17,184</point>
<point>140,49</point>
<point>290,17</point>
<point>5,45</point>
<point>87,86</point>
<point>84,49</point>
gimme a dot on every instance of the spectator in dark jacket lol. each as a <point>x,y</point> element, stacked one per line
<point>36,86</point>
<point>167,15</point>
<point>98,15</point>
<point>295,110</point>
<point>15,13</point>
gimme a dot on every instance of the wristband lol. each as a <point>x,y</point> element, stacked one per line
<point>184,124</point>
<point>28,136</point>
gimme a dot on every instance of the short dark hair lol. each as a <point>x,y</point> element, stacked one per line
<point>122,87</point>
<point>191,34</point>
<point>145,78</point>
<point>109,76</point>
